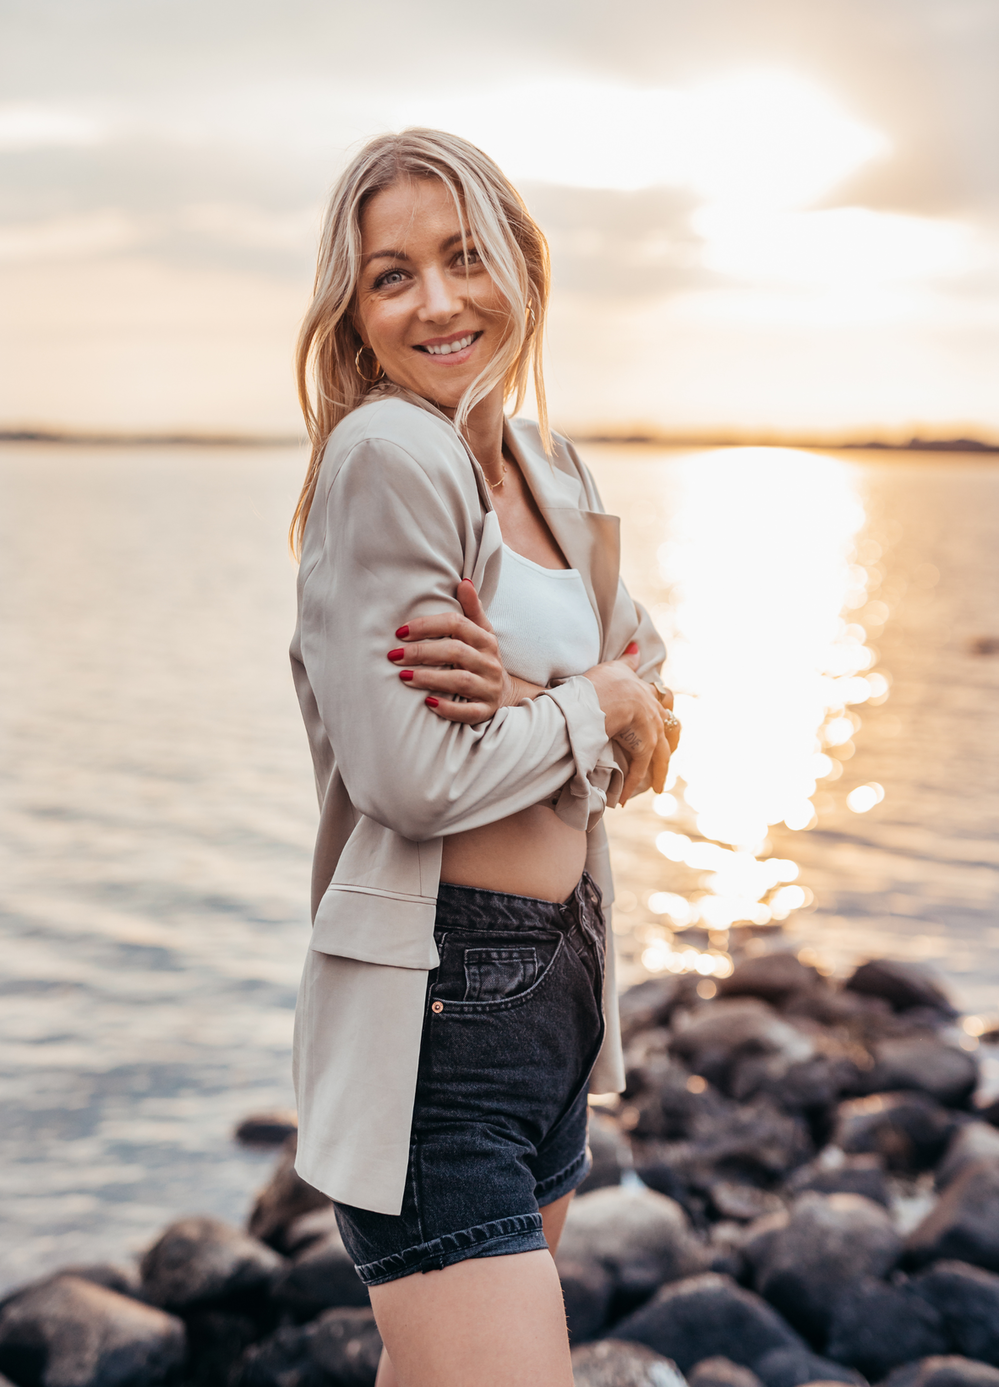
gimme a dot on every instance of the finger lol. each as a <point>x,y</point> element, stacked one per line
<point>471,605</point>
<point>632,656</point>
<point>459,712</point>
<point>639,749</point>
<point>445,652</point>
<point>666,698</point>
<point>441,624</point>
<point>451,681</point>
<point>672,734</point>
<point>660,764</point>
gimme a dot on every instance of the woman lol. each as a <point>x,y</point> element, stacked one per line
<point>454,1006</point>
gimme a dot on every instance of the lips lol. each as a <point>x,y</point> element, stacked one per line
<point>450,348</point>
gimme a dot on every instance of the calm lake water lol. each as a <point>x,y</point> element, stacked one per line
<point>829,617</point>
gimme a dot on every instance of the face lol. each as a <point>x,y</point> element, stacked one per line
<point>425,306</point>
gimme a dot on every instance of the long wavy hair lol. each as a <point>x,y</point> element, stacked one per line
<point>514,253</point>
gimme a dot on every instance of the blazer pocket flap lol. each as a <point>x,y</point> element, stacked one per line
<point>376,927</point>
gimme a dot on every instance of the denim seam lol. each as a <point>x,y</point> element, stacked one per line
<point>568,1173</point>
<point>434,1252</point>
<point>458,1009</point>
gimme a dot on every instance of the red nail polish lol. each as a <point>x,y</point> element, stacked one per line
<point>402,633</point>
<point>431,702</point>
<point>396,654</point>
<point>632,648</point>
<point>406,674</point>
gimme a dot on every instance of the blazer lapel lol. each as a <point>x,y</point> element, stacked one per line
<point>590,540</point>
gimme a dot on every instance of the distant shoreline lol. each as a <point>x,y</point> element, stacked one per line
<point>973,446</point>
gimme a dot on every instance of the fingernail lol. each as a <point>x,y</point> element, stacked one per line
<point>406,674</point>
<point>402,633</point>
<point>396,654</point>
<point>431,702</point>
<point>632,648</point>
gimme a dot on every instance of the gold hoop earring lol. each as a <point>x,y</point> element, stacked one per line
<point>357,366</point>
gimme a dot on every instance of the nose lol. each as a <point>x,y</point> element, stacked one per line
<point>441,299</point>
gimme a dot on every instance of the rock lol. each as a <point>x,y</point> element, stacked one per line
<point>705,1316</point>
<point>267,1128</point>
<point>743,1202</point>
<point>285,1198</point>
<point>792,1367</point>
<point>875,1327</point>
<point>903,985</point>
<point>321,1277</point>
<point>968,1299</point>
<point>587,1290</point>
<point>640,1237</point>
<point>964,1224</point>
<point>947,1370</point>
<point>67,1332</point>
<point>970,1145</point>
<point>202,1261</point>
<point>714,1039</point>
<point>310,1228</point>
<point>652,1003</point>
<point>609,1151</point>
<point>124,1280</point>
<point>215,1341</point>
<point>862,1175</point>
<point>772,977</point>
<point>722,1372</point>
<point>923,1063</point>
<point>341,1347</point>
<point>612,1363</point>
<point>826,1242</point>
<point>909,1130</point>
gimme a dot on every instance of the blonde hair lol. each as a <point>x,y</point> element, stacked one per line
<point>513,251</point>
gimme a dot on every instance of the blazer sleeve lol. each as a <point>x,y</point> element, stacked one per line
<point>394,549</point>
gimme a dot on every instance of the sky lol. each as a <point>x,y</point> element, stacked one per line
<point>768,218</point>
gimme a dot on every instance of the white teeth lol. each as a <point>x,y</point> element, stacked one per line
<point>450,347</point>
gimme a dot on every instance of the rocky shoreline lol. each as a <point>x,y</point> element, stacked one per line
<point>796,1187</point>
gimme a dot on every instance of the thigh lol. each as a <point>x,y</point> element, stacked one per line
<point>489,1322</point>
<point>553,1220</point>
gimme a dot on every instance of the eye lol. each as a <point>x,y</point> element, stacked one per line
<point>466,259</point>
<point>389,279</point>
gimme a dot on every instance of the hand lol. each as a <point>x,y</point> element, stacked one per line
<point>452,654</point>
<point>636,721</point>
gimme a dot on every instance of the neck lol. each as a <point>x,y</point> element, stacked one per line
<point>484,432</point>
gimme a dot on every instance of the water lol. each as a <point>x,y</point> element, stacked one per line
<point>158,805</point>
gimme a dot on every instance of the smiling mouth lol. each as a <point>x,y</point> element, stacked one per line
<point>447,348</point>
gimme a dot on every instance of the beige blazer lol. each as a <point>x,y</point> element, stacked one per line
<point>402,513</point>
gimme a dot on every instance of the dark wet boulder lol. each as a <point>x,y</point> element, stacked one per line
<point>743,1203</point>
<point>910,1131</point>
<point>968,1299</point>
<point>971,1144</point>
<point>283,1200</point>
<point>773,978</point>
<point>587,1291</point>
<point>610,1153</point>
<point>704,1317</point>
<point>716,1039</point>
<point>320,1277</point>
<point>124,1280</point>
<point>265,1129</point>
<point>67,1332</point>
<point>924,1064</point>
<point>793,1367</point>
<point>310,1228</point>
<point>945,1370</point>
<point>863,1175</point>
<point>612,1363</point>
<point>203,1261</point>
<point>722,1372</point>
<point>964,1224</point>
<point>215,1341</point>
<point>640,1237</point>
<point>341,1347</point>
<point>876,1326</point>
<point>905,986</point>
<point>652,1003</point>
<point>826,1242</point>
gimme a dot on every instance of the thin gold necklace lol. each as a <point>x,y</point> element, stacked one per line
<point>494,486</point>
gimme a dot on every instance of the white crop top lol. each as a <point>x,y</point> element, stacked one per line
<point>543,621</point>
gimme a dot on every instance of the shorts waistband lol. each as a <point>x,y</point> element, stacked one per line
<point>458,904</point>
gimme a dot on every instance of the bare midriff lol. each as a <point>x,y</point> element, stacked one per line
<point>531,853</point>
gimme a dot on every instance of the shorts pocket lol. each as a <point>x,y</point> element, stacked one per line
<point>494,973</point>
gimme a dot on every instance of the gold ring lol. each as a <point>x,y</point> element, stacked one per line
<point>670,719</point>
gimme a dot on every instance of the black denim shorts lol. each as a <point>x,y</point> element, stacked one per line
<point>513,1024</point>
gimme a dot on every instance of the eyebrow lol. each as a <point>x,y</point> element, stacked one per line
<point>401,254</point>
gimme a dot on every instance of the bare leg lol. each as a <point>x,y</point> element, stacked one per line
<point>457,1330</point>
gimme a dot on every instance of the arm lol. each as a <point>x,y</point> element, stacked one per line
<point>393,544</point>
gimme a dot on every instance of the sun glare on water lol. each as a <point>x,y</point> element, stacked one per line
<point>770,664</point>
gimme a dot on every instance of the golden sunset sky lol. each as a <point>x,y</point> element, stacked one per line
<point>766,216</point>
